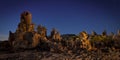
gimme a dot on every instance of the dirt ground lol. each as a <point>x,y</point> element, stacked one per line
<point>45,55</point>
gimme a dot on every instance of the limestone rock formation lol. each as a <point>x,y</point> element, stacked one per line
<point>25,36</point>
<point>55,35</point>
<point>42,31</point>
<point>25,24</point>
<point>85,42</point>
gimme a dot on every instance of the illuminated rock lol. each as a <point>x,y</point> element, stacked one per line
<point>42,31</point>
<point>25,36</point>
<point>26,17</point>
<point>25,24</point>
<point>85,42</point>
<point>55,35</point>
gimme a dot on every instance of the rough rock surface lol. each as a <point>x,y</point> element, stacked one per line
<point>25,36</point>
<point>85,42</point>
<point>42,31</point>
<point>55,35</point>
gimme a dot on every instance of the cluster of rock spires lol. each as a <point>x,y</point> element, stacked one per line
<point>36,45</point>
<point>25,37</point>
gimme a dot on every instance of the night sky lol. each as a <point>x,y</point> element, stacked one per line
<point>67,16</point>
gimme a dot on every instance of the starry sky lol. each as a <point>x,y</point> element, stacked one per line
<point>67,16</point>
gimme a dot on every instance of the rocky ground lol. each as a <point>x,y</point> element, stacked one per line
<point>45,55</point>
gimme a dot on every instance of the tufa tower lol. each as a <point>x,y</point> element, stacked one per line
<point>25,24</point>
<point>25,35</point>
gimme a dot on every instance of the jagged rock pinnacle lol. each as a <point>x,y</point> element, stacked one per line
<point>26,17</point>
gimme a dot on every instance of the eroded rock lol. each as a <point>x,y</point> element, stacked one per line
<point>25,35</point>
<point>85,42</point>
<point>55,35</point>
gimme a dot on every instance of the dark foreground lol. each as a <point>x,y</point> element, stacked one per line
<point>45,55</point>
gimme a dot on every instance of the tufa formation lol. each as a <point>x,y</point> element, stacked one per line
<point>37,45</point>
<point>25,36</point>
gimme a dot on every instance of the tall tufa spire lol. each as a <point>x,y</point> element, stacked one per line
<point>26,17</point>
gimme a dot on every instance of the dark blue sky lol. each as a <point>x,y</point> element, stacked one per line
<point>68,16</point>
